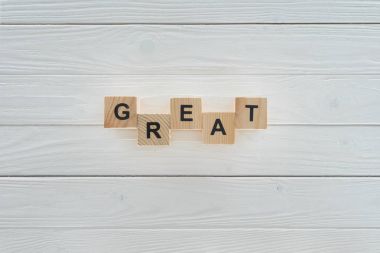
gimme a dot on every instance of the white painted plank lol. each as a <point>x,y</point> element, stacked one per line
<point>57,240</point>
<point>306,99</point>
<point>278,150</point>
<point>177,49</point>
<point>185,11</point>
<point>190,202</point>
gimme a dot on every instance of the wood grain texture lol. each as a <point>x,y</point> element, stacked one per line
<point>346,99</point>
<point>185,11</point>
<point>278,150</point>
<point>58,59</point>
<point>158,133</point>
<point>177,49</point>
<point>218,128</point>
<point>123,116</point>
<point>186,113</point>
<point>190,202</point>
<point>56,240</point>
<point>251,113</point>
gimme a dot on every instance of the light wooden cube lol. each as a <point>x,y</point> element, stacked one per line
<point>218,128</point>
<point>153,129</point>
<point>186,113</point>
<point>251,113</point>
<point>120,112</point>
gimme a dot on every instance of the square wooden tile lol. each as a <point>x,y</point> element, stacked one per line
<point>186,113</point>
<point>251,113</point>
<point>218,128</point>
<point>153,129</point>
<point>120,112</point>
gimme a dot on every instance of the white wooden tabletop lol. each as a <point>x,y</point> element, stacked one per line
<point>308,183</point>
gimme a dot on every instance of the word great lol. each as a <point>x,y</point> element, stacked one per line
<point>186,113</point>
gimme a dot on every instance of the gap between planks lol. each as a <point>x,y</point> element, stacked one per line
<point>195,229</point>
<point>187,176</point>
<point>187,23</point>
<point>192,74</point>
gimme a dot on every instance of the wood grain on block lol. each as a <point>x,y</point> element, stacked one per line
<point>218,128</point>
<point>153,129</point>
<point>186,113</point>
<point>250,113</point>
<point>120,112</point>
<point>190,202</point>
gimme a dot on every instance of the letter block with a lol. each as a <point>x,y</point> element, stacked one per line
<point>153,129</point>
<point>186,113</point>
<point>218,128</point>
<point>120,112</point>
<point>251,113</point>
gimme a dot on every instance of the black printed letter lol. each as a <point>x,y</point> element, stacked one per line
<point>251,108</point>
<point>153,130</point>
<point>126,113</point>
<point>183,112</point>
<point>216,128</point>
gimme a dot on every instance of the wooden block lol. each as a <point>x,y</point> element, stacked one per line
<point>251,113</point>
<point>186,113</point>
<point>153,129</point>
<point>218,128</point>
<point>120,112</point>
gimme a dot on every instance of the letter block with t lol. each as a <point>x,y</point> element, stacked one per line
<point>218,128</point>
<point>153,129</point>
<point>251,113</point>
<point>186,113</point>
<point>120,112</point>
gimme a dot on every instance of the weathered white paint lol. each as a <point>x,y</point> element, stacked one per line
<point>178,49</point>
<point>322,81</point>
<point>347,99</point>
<point>57,240</point>
<point>278,150</point>
<point>187,202</point>
<point>187,11</point>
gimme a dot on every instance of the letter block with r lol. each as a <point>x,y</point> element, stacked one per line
<point>153,129</point>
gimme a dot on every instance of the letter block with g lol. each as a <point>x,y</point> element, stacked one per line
<point>120,112</point>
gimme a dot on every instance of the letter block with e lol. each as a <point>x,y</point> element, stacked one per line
<point>120,112</point>
<point>153,129</point>
<point>186,113</point>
